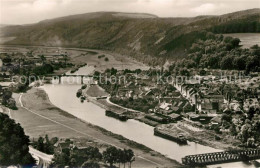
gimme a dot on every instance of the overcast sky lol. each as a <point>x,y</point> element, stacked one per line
<point>31,11</point>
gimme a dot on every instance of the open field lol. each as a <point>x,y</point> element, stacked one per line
<point>115,60</point>
<point>80,56</point>
<point>96,91</point>
<point>39,117</point>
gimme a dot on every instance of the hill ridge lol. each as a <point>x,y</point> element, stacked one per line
<point>144,38</point>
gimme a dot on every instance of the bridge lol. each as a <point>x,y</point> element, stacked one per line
<point>221,157</point>
<point>70,75</point>
<point>43,160</point>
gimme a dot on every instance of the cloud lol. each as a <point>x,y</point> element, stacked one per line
<point>204,8</point>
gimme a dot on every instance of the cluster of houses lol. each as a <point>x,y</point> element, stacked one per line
<point>63,145</point>
<point>12,62</point>
<point>28,59</point>
<point>205,99</point>
<point>198,100</point>
<point>212,96</point>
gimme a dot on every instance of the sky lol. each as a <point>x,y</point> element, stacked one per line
<point>32,11</point>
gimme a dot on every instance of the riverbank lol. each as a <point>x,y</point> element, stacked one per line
<point>96,91</point>
<point>201,136</point>
<point>39,117</point>
<point>191,133</point>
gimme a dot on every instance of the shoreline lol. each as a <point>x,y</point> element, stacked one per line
<point>146,152</point>
<point>108,105</point>
<point>202,141</point>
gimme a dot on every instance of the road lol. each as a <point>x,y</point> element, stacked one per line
<point>45,157</point>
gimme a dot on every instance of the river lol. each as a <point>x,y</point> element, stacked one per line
<point>64,96</point>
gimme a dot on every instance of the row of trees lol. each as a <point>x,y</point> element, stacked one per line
<point>237,27</point>
<point>45,145</point>
<point>14,144</point>
<point>91,157</point>
<point>113,155</point>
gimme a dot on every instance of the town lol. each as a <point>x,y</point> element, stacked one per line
<point>219,108</point>
<point>114,89</point>
<point>206,101</point>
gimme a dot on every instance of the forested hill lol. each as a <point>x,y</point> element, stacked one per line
<point>143,36</point>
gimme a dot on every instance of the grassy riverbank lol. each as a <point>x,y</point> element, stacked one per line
<point>40,117</point>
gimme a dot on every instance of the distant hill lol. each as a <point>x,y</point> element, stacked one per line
<point>3,25</point>
<point>142,36</point>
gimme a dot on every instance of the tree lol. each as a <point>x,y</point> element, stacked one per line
<point>65,58</point>
<point>61,159</point>
<point>226,62</point>
<point>251,63</point>
<point>7,60</point>
<point>42,70</point>
<point>43,58</point>
<point>228,39</point>
<point>121,157</point>
<point>251,112</point>
<point>79,93</point>
<point>113,71</point>
<point>235,42</point>
<point>232,129</point>
<point>239,63</point>
<point>14,144</point>
<point>83,86</point>
<point>129,155</point>
<point>45,145</point>
<point>7,100</point>
<point>245,132</point>
<point>203,72</point>
<point>226,117</point>
<point>255,46</point>
<point>110,155</point>
<point>92,153</point>
<point>90,164</point>
<point>6,96</point>
<point>106,59</point>
<point>40,144</point>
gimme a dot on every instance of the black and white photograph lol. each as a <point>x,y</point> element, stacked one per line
<point>129,84</point>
